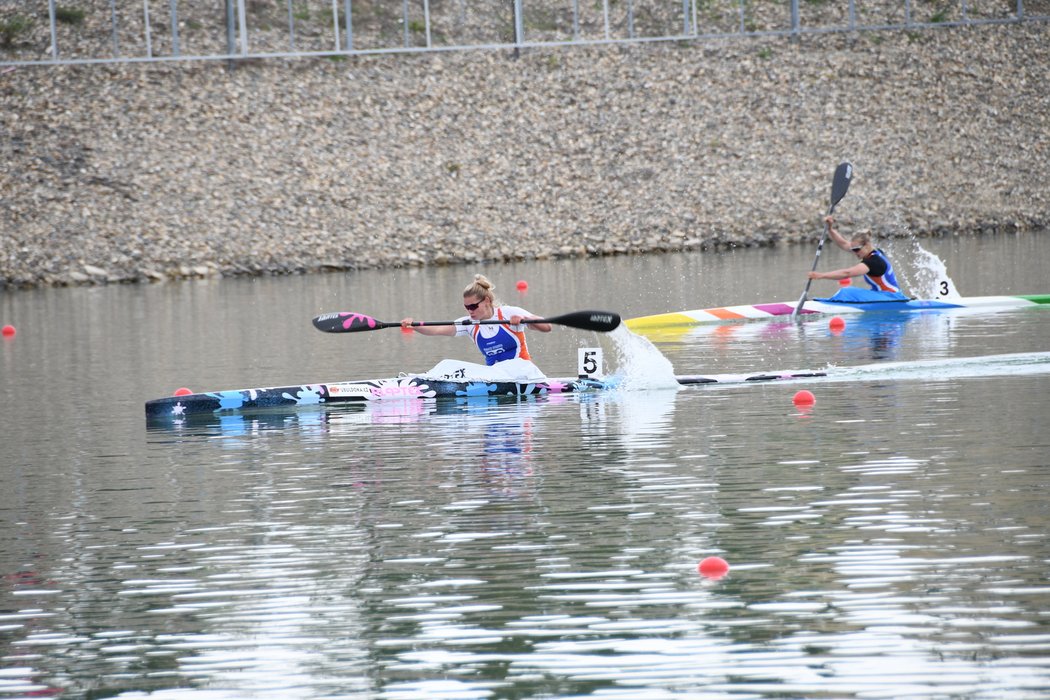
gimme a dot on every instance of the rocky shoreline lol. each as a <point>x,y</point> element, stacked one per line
<point>147,172</point>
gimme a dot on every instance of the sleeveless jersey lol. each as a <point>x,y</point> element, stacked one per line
<point>498,342</point>
<point>880,275</point>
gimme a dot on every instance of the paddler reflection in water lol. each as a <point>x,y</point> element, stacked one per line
<point>502,344</point>
<point>874,266</point>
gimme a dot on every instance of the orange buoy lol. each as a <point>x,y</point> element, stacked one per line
<point>182,391</point>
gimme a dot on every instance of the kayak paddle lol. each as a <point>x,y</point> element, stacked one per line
<point>839,185</point>
<point>350,322</point>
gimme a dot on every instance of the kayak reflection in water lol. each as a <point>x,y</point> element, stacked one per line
<point>501,343</point>
<point>874,266</point>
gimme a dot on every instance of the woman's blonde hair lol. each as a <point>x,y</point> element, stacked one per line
<point>482,289</point>
<point>862,237</point>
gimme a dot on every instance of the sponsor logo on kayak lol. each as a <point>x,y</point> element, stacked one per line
<point>362,390</point>
<point>397,391</point>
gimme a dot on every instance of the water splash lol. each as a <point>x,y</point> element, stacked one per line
<point>933,281</point>
<point>928,278</point>
<point>640,364</point>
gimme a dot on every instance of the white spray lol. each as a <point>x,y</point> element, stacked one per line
<point>929,275</point>
<point>639,364</point>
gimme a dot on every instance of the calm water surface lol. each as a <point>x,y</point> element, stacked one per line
<point>889,541</point>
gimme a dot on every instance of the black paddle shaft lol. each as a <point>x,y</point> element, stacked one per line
<point>839,186</point>
<point>350,322</point>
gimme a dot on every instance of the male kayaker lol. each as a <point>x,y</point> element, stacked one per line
<point>502,343</point>
<point>874,266</point>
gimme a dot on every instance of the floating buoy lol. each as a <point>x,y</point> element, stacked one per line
<point>8,331</point>
<point>182,391</point>
<point>713,567</point>
<point>836,323</point>
<point>804,398</point>
<point>845,282</point>
<point>522,285</point>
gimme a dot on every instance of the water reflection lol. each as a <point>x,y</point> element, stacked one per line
<point>888,542</point>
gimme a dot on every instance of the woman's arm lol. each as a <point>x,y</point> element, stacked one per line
<point>845,273</point>
<point>835,235</point>
<point>428,330</point>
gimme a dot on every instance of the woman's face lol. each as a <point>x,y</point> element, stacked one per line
<point>477,307</point>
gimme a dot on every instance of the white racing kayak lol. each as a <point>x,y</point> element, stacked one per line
<point>831,305</point>
<point>449,379</point>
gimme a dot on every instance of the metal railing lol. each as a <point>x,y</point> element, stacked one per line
<point>124,31</point>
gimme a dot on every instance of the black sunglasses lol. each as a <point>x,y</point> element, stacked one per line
<point>473,307</point>
<point>856,248</point>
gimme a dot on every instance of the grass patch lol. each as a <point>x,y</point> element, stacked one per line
<point>12,27</point>
<point>939,16</point>
<point>69,15</point>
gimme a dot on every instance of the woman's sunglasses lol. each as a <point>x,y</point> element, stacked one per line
<point>473,307</point>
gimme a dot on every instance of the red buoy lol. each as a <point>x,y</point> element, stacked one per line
<point>836,323</point>
<point>845,282</point>
<point>522,285</point>
<point>804,398</point>
<point>713,567</point>
<point>182,391</point>
<point>8,331</point>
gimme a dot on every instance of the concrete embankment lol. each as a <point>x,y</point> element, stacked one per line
<point>149,172</point>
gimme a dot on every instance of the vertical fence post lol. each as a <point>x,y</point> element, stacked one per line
<point>794,17</point>
<point>230,44</point>
<point>742,16</point>
<point>1020,9</point>
<point>696,25</point>
<point>149,36</point>
<point>348,8</point>
<point>54,31</point>
<point>605,13</point>
<point>335,22</point>
<point>174,5</point>
<point>404,20</point>
<point>576,19</point>
<point>113,21</point>
<point>685,17</point>
<point>630,19</point>
<point>291,27</point>
<point>519,23</point>
<point>426,20</point>
<point>243,21</point>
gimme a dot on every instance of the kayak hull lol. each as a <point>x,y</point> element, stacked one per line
<point>410,388</point>
<point>333,393</point>
<point>818,306</point>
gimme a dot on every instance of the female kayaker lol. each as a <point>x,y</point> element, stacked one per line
<point>874,266</point>
<point>502,343</point>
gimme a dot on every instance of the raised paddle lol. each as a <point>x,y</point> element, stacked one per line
<point>350,322</point>
<point>839,185</point>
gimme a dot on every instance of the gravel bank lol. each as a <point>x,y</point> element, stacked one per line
<point>149,172</point>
